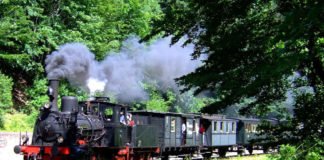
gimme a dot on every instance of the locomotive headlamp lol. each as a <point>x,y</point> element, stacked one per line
<point>60,139</point>
<point>47,106</point>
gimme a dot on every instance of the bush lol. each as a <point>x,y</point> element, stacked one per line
<point>5,93</point>
<point>308,150</point>
<point>37,95</point>
<point>286,152</point>
<point>1,119</point>
<point>18,122</point>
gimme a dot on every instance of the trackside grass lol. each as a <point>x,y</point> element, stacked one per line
<point>253,157</point>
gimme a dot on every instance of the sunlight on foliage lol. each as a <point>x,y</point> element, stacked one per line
<point>19,122</point>
<point>5,90</point>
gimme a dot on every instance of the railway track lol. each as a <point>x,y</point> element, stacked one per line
<point>215,155</point>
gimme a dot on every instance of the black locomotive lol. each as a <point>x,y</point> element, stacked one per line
<point>97,129</point>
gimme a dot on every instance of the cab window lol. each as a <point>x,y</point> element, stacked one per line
<point>108,114</point>
<point>173,124</point>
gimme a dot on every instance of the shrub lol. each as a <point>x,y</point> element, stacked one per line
<point>37,95</point>
<point>1,119</point>
<point>5,93</point>
<point>307,150</point>
<point>18,122</point>
<point>286,152</point>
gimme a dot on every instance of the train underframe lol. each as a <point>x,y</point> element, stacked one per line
<point>128,153</point>
<point>31,152</point>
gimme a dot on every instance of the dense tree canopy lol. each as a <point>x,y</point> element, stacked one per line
<point>254,49</point>
<point>30,30</point>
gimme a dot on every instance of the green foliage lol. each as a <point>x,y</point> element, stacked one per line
<point>30,30</point>
<point>188,103</point>
<point>171,101</point>
<point>309,114</point>
<point>37,95</point>
<point>159,101</point>
<point>306,150</point>
<point>252,46</point>
<point>5,93</point>
<point>286,152</point>
<point>19,122</point>
<point>2,119</point>
<point>67,90</point>
<point>40,26</point>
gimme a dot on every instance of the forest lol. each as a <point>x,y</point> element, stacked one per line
<point>249,58</point>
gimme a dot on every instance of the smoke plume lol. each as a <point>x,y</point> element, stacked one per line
<point>123,74</point>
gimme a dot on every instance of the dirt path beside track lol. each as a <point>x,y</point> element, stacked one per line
<point>7,142</point>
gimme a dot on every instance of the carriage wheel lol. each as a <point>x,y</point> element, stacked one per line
<point>265,149</point>
<point>207,155</point>
<point>165,157</point>
<point>250,149</point>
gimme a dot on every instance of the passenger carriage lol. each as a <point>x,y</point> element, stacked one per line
<point>248,135</point>
<point>220,134</point>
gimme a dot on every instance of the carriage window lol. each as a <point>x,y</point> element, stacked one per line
<point>254,128</point>
<point>257,130</point>
<point>233,126</point>
<point>173,124</point>
<point>197,127</point>
<point>194,125</point>
<point>226,126</point>
<point>215,127</point>
<point>167,122</point>
<point>249,128</point>
<point>189,127</point>
<point>221,126</point>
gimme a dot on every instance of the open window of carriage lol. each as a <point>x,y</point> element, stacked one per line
<point>221,129</point>
<point>215,126</point>
<point>233,126</point>
<point>173,124</point>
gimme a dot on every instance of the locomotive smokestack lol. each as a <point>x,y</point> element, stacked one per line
<point>53,93</point>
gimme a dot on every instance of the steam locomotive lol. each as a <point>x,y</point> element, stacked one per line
<point>94,130</point>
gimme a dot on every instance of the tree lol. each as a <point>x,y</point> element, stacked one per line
<point>253,47</point>
<point>30,30</point>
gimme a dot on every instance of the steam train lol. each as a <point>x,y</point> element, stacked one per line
<point>94,130</point>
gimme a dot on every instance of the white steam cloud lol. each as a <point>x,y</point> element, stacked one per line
<point>123,74</point>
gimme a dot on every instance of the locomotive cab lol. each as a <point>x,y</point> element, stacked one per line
<point>110,115</point>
